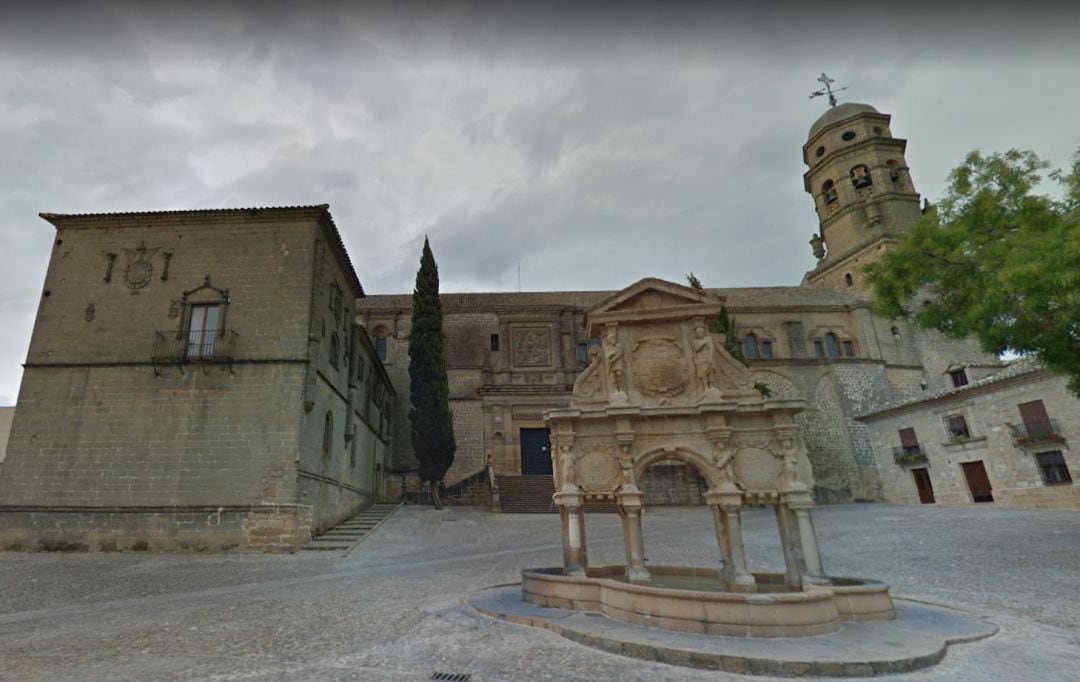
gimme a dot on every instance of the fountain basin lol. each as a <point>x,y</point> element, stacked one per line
<point>692,600</point>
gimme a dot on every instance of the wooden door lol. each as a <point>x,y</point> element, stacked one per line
<point>978,482</point>
<point>1034,414</point>
<point>923,485</point>
<point>1036,420</point>
<point>908,439</point>
<point>535,452</point>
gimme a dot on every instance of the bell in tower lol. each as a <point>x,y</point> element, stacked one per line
<point>863,193</point>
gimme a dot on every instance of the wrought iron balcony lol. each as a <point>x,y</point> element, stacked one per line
<point>909,454</point>
<point>204,346</point>
<point>1036,432</point>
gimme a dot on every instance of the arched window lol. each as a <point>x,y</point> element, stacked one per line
<point>896,333</point>
<point>828,191</point>
<point>894,173</point>
<point>832,345</point>
<point>380,343</point>
<point>860,176</point>
<point>335,350</point>
<point>848,280</point>
<point>328,435</point>
<point>750,346</point>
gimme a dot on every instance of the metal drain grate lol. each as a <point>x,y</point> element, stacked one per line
<point>451,677</point>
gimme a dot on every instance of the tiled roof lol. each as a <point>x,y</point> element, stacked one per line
<point>51,217</point>
<point>322,211</point>
<point>743,297</point>
<point>1011,370</point>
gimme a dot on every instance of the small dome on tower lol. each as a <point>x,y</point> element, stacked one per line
<point>839,113</point>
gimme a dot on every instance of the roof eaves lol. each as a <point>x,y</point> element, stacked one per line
<point>1024,368</point>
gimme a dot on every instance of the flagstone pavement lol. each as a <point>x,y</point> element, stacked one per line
<point>394,608</point>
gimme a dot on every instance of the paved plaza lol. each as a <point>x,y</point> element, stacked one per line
<point>394,608</point>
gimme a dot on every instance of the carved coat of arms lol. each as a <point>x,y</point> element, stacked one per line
<point>140,267</point>
<point>660,367</point>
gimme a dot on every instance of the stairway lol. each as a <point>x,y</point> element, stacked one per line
<point>347,534</point>
<point>526,494</point>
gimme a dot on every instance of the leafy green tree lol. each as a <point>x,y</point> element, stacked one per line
<point>996,261</point>
<point>429,389</point>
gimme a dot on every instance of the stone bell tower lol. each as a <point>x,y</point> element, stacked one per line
<point>862,190</point>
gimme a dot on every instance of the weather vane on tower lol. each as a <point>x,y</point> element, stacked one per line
<point>827,90</point>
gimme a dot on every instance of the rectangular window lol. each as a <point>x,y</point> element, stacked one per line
<point>583,353</point>
<point>204,328</point>
<point>766,349</point>
<point>335,348</point>
<point>494,342</point>
<point>849,349</point>
<point>959,378</point>
<point>819,349</point>
<point>1053,468</point>
<point>957,427</point>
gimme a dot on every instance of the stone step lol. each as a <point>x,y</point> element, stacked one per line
<point>344,536</point>
<point>316,546</point>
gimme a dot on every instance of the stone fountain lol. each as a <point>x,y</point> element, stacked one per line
<point>661,387</point>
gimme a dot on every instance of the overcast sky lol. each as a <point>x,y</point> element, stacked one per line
<point>596,147</point>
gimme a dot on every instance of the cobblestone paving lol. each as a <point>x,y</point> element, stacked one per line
<point>393,610</point>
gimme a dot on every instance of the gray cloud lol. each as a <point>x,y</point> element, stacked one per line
<point>597,144</point>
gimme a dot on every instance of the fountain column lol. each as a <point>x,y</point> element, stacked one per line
<point>801,505</point>
<point>631,505</point>
<point>789,542</point>
<point>572,515</point>
<point>727,575</point>
<point>744,580</point>
<point>727,513</point>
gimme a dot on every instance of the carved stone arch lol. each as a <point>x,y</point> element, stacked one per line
<point>699,463</point>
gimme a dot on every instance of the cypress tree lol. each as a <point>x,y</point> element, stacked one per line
<point>429,389</point>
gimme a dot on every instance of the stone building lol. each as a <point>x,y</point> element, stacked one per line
<point>513,356</point>
<point>1001,436</point>
<point>195,379</point>
<point>6,415</point>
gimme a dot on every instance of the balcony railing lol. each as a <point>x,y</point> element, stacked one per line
<point>909,454</point>
<point>1036,432</point>
<point>206,346</point>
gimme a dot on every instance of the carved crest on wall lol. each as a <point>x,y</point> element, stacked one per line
<point>597,467</point>
<point>660,367</point>
<point>140,267</point>
<point>758,469</point>
<point>531,347</point>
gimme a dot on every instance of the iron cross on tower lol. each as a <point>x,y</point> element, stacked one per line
<point>827,90</point>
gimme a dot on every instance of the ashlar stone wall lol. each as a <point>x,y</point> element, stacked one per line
<point>126,438</point>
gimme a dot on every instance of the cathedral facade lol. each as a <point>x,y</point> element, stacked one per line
<point>513,356</point>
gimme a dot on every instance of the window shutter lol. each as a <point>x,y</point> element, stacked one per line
<point>908,438</point>
<point>1034,413</point>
